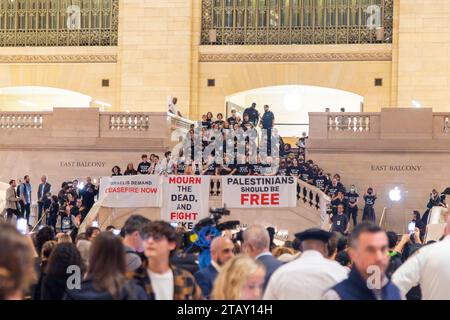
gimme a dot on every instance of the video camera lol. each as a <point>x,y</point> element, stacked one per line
<point>207,226</point>
<point>213,220</point>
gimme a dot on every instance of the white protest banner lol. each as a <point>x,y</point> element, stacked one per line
<point>186,200</point>
<point>131,191</point>
<point>259,192</point>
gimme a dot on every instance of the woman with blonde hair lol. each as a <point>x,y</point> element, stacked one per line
<point>241,278</point>
<point>63,237</point>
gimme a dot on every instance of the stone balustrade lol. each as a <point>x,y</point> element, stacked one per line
<point>21,120</point>
<point>389,124</point>
<point>68,128</point>
<point>349,122</point>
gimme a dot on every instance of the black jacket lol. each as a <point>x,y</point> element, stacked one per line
<point>53,287</point>
<point>88,292</point>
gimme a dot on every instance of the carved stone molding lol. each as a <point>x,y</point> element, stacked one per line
<point>75,58</point>
<point>295,57</point>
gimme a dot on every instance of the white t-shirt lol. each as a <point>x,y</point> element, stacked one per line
<point>429,267</point>
<point>306,278</point>
<point>173,108</point>
<point>162,284</point>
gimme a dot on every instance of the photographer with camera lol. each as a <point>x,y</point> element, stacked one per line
<point>52,212</point>
<point>79,210</point>
<point>89,192</point>
<point>62,194</point>
<point>66,222</point>
<point>435,200</point>
<point>75,191</point>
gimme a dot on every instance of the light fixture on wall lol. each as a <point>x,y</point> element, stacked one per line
<point>212,35</point>
<point>416,104</point>
<point>395,194</point>
<point>379,34</point>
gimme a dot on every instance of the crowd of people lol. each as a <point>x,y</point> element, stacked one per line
<point>149,260</point>
<point>146,260</point>
<point>64,211</point>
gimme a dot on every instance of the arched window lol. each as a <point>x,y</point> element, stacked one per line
<point>46,22</point>
<point>349,17</point>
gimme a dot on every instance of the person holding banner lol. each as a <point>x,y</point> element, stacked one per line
<point>130,171</point>
<point>180,164</point>
<point>167,165</point>
<point>210,168</point>
<point>144,165</point>
<point>270,168</point>
<point>243,168</point>
<point>155,168</point>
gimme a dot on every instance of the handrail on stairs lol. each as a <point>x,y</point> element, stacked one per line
<point>383,219</point>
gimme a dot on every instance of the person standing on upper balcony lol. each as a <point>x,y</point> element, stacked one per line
<point>167,165</point>
<point>144,165</point>
<point>232,120</point>
<point>253,114</point>
<point>267,119</point>
<point>267,123</point>
<point>173,108</point>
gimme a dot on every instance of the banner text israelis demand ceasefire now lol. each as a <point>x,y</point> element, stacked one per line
<point>131,190</point>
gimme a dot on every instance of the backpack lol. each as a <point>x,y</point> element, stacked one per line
<point>66,223</point>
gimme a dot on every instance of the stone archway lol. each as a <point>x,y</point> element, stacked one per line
<point>292,103</point>
<point>37,98</point>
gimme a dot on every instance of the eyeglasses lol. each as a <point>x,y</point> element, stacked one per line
<point>155,236</point>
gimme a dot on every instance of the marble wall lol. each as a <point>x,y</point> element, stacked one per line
<point>404,148</point>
